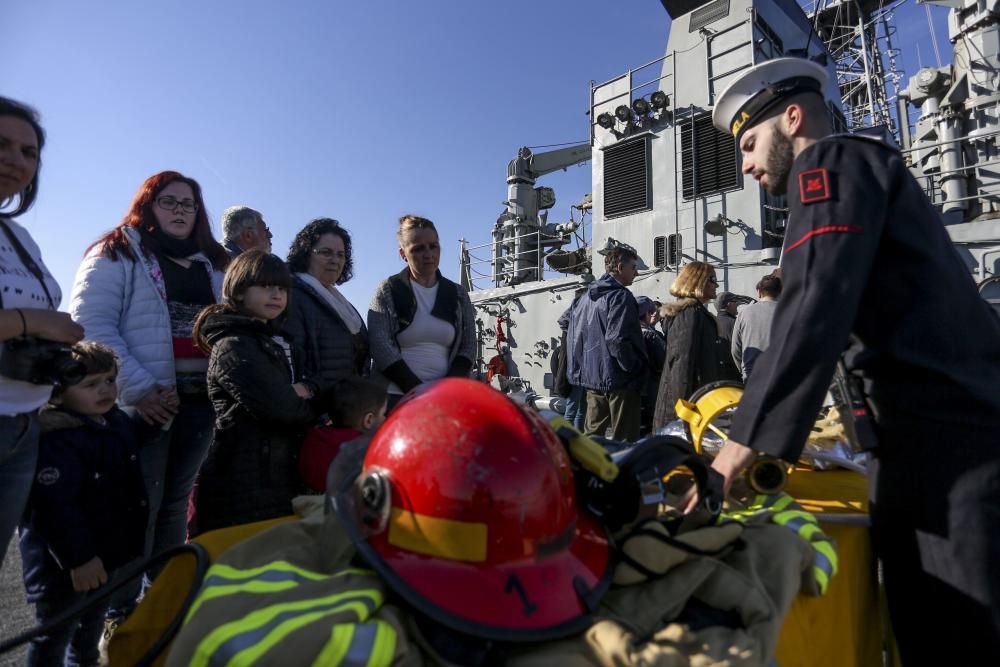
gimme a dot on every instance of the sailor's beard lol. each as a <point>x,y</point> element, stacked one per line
<point>780,157</point>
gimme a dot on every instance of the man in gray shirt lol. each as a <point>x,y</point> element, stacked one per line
<point>752,332</point>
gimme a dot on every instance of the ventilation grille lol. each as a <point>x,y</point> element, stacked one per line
<point>708,159</point>
<point>626,178</point>
<point>660,251</point>
<point>667,250</point>
<point>674,249</point>
<point>708,14</point>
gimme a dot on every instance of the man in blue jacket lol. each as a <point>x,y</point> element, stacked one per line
<point>607,355</point>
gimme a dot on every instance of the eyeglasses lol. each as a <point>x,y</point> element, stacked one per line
<point>328,253</point>
<point>168,203</point>
<point>713,281</point>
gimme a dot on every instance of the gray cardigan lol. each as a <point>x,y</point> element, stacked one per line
<point>391,311</point>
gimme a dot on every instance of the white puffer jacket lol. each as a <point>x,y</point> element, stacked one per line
<point>123,304</point>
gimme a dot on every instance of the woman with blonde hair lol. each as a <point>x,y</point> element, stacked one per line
<point>694,355</point>
<point>421,325</point>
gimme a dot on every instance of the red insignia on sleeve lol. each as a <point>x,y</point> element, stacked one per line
<point>814,186</point>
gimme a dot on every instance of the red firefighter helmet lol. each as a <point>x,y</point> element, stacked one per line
<point>465,505</point>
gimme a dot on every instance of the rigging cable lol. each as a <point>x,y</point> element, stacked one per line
<point>934,41</point>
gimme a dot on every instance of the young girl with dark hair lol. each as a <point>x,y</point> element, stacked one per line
<point>262,408</point>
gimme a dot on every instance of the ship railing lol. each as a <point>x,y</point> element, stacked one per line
<point>667,74</point>
<point>666,78</point>
<point>645,87</point>
<point>482,272</point>
<point>930,181</point>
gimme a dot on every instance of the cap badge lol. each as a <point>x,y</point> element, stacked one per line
<point>740,122</point>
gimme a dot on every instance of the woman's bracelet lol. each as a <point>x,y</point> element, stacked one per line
<point>24,322</point>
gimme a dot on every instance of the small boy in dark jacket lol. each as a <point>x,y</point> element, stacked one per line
<point>88,509</point>
<point>356,405</point>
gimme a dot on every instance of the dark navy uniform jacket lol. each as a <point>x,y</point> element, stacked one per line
<point>867,260</point>
<point>88,499</point>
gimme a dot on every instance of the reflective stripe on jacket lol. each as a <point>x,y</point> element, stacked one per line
<point>288,596</point>
<point>273,616</point>
<point>781,509</point>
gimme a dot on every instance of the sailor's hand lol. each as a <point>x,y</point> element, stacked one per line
<point>730,462</point>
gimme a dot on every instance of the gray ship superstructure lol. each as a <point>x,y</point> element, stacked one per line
<point>667,183</point>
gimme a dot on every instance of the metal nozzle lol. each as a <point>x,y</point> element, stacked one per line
<point>767,475</point>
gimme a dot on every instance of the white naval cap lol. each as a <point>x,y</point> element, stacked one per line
<point>758,89</point>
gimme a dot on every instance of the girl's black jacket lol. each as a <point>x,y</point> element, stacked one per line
<point>251,473</point>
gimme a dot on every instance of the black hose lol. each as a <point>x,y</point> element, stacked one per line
<point>121,578</point>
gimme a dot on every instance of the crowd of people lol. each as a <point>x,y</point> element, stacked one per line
<point>622,377</point>
<point>194,384</point>
<point>224,378</point>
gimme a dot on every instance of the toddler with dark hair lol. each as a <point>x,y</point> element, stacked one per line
<point>88,509</point>
<point>356,405</point>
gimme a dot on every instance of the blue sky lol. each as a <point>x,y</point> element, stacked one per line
<point>357,111</point>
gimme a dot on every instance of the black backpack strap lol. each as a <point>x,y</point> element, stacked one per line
<point>28,261</point>
<point>403,301</point>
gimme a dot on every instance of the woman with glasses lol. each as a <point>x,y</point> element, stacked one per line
<point>29,297</point>
<point>138,291</point>
<point>327,332</point>
<point>422,324</point>
<point>695,356</point>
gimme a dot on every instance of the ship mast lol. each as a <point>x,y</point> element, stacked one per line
<point>860,36</point>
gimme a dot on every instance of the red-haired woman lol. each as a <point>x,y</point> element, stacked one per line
<point>138,291</point>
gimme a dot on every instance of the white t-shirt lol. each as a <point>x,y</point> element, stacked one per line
<point>20,289</point>
<point>426,343</point>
